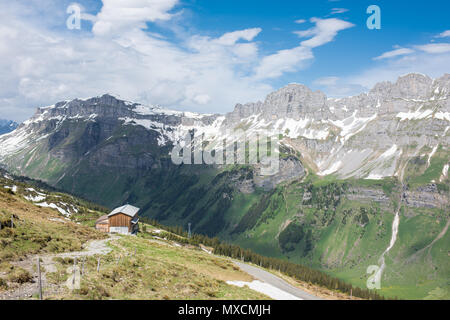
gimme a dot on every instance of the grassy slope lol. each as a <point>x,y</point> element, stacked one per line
<point>419,173</point>
<point>167,270</point>
<point>160,270</point>
<point>157,271</point>
<point>37,230</point>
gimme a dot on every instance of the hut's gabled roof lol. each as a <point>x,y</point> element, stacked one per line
<point>127,209</point>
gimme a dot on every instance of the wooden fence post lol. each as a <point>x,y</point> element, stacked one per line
<point>82,268</point>
<point>39,277</point>
<point>74,268</point>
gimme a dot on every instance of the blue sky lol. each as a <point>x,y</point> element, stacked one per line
<point>208,55</point>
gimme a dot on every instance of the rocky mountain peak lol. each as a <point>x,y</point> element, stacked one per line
<point>410,86</point>
<point>295,97</point>
<point>105,106</point>
<point>298,102</point>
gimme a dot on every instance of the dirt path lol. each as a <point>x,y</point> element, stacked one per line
<point>27,290</point>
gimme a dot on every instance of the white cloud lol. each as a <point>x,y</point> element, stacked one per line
<point>337,87</point>
<point>326,81</point>
<point>338,10</point>
<point>202,99</point>
<point>428,59</point>
<point>118,15</point>
<point>444,34</point>
<point>395,53</point>
<point>300,21</point>
<point>41,64</point>
<point>323,32</point>
<point>231,38</point>
<point>283,61</point>
<point>290,60</point>
<point>435,47</point>
<point>430,64</point>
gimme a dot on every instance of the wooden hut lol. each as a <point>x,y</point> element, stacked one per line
<point>123,220</point>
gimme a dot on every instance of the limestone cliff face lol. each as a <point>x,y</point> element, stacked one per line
<point>290,169</point>
<point>368,195</point>
<point>367,136</point>
<point>426,197</point>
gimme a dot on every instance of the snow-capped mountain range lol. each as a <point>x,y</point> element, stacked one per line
<point>366,136</point>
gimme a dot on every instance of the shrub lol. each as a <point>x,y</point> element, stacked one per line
<point>93,291</point>
<point>6,256</point>
<point>442,187</point>
<point>3,284</point>
<point>63,261</point>
<point>20,275</point>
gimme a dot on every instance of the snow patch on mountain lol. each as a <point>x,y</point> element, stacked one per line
<point>352,125</point>
<point>442,116</point>
<point>265,288</point>
<point>416,115</point>
<point>385,165</point>
<point>444,173</point>
<point>432,154</point>
<point>54,206</point>
<point>334,167</point>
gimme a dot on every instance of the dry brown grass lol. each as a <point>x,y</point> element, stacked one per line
<point>35,232</point>
<point>159,271</point>
<point>19,275</point>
